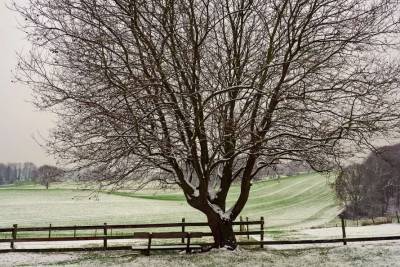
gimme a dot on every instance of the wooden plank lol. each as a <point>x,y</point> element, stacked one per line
<point>149,245</point>
<point>136,235</point>
<point>117,226</point>
<point>166,235</point>
<point>105,236</point>
<point>141,235</point>
<point>183,230</point>
<point>56,239</point>
<point>14,236</point>
<point>197,234</point>
<point>343,229</point>
<point>262,232</point>
<point>202,234</point>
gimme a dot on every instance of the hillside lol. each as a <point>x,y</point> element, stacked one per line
<point>294,202</point>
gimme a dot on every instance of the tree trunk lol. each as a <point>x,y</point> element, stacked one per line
<point>222,231</point>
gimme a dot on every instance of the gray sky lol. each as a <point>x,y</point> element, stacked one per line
<point>19,120</point>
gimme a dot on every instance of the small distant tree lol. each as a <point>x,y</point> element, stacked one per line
<point>200,93</point>
<point>47,174</point>
<point>349,189</point>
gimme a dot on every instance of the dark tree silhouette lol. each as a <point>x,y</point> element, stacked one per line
<point>372,188</point>
<point>47,174</point>
<point>200,93</point>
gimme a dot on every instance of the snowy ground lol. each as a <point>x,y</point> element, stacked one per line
<point>333,232</point>
<point>365,255</point>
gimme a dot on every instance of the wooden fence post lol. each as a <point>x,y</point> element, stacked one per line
<point>247,220</point>
<point>105,236</point>
<point>14,236</point>
<point>262,232</point>
<point>49,230</point>
<point>149,244</point>
<point>183,230</point>
<point>343,230</point>
<point>188,243</point>
<point>241,225</point>
<point>397,216</point>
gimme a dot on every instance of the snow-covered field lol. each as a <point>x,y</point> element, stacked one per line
<point>294,204</point>
<point>374,253</point>
<point>289,203</point>
<point>365,255</point>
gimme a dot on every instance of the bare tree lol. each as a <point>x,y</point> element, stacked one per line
<point>47,174</point>
<point>200,93</point>
<point>350,188</point>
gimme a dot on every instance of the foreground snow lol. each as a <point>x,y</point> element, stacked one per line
<point>377,254</point>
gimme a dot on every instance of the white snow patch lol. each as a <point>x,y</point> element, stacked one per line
<point>213,193</point>
<point>196,193</point>
<point>226,216</point>
<point>190,184</point>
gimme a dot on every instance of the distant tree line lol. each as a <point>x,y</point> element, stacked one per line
<point>27,171</point>
<point>288,168</point>
<point>371,188</point>
<point>17,172</point>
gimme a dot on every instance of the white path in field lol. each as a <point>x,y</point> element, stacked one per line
<point>362,231</point>
<point>336,232</point>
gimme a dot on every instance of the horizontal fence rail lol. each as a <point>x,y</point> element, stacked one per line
<point>118,226</point>
<point>94,238</point>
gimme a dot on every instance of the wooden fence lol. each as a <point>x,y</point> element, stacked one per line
<point>186,237</point>
<point>106,235</point>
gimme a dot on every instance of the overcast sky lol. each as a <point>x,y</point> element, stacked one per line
<point>19,120</point>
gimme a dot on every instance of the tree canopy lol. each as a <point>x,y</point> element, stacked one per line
<point>199,93</point>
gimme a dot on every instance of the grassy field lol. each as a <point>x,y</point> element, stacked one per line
<point>288,203</point>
